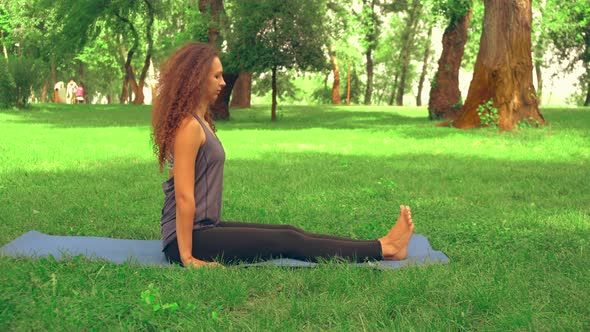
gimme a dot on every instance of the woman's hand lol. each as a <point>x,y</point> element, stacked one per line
<point>193,262</point>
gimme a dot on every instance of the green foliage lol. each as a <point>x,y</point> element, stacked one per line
<point>451,10</point>
<point>196,27</point>
<point>473,36</point>
<point>101,59</point>
<point>19,76</point>
<point>528,123</point>
<point>434,80</point>
<point>7,85</point>
<point>369,24</point>
<point>568,24</point>
<point>488,114</point>
<point>276,34</point>
<point>286,89</point>
<point>323,95</point>
<point>568,28</point>
<point>578,97</point>
<point>151,298</point>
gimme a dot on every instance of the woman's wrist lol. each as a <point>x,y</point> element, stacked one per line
<point>186,258</point>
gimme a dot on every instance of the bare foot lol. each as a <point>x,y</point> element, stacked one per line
<point>394,245</point>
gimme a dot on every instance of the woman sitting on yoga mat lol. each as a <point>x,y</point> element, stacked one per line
<point>192,232</point>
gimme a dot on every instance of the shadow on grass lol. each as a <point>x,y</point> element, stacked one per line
<point>292,118</point>
<point>82,115</point>
<point>258,117</point>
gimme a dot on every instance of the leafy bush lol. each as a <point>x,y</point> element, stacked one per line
<point>322,95</point>
<point>7,85</point>
<point>18,77</point>
<point>488,114</point>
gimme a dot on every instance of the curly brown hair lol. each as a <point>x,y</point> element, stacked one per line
<point>179,94</point>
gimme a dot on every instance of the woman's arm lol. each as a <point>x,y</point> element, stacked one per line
<point>187,141</point>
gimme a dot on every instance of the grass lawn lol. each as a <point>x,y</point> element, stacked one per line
<point>511,210</point>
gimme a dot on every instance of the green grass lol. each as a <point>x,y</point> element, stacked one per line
<point>511,210</point>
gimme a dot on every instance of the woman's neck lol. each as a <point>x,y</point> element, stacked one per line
<point>201,111</point>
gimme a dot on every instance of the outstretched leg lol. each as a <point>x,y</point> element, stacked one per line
<point>249,242</point>
<point>394,245</point>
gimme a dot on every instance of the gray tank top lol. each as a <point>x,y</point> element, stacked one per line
<point>208,189</point>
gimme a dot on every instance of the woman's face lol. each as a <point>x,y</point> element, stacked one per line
<point>214,81</point>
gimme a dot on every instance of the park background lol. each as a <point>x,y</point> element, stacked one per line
<point>509,208</point>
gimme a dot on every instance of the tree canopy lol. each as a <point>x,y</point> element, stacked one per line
<point>371,51</point>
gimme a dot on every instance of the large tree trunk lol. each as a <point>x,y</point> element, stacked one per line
<point>445,96</point>
<point>242,91</point>
<point>503,69</point>
<point>336,85</point>
<point>369,90</point>
<point>424,68</point>
<point>220,108</point>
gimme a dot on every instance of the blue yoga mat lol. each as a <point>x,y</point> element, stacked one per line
<point>34,244</point>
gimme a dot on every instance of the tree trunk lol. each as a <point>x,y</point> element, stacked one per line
<point>348,86</point>
<point>587,101</point>
<point>139,97</point>
<point>370,23</point>
<point>129,74</point>
<point>216,10</point>
<point>405,54</point>
<point>393,89</point>
<point>214,7</point>
<point>3,44</point>
<point>273,115</point>
<point>445,96</point>
<point>124,92</point>
<point>503,69</point>
<point>424,68</point>
<point>135,90</point>
<point>44,91</point>
<point>369,90</point>
<point>54,81</point>
<point>242,91</point>
<point>336,84</point>
<point>220,108</point>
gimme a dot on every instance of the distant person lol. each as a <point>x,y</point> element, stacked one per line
<point>56,88</point>
<point>80,94</point>
<point>71,95</point>
<point>192,232</point>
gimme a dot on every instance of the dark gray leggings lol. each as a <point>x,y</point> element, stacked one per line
<point>231,242</point>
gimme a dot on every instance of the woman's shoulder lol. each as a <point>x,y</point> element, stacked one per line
<point>190,127</point>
